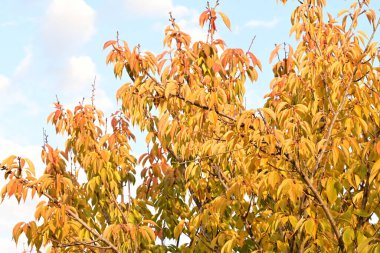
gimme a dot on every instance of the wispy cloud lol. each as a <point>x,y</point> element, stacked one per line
<point>4,82</point>
<point>263,23</point>
<point>8,23</point>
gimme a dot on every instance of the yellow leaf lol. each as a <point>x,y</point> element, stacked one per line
<point>8,161</point>
<point>269,112</point>
<point>374,171</point>
<point>118,69</point>
<point>226,20</point>
<point>213,117</point>
<point>301,108</point>
<point>150,233</point>
<point>31,166</point>
<point>178,229</point>
<point>342,12</point>
<point>363,124</point>
<point>332,193</point>
<point>335,152</point>
<point>227,247</point>
<point>171,89</point>
<point>17,231</point>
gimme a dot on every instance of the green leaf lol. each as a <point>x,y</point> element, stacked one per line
<point>310,227</point>
<point>348,236</point>
<point>362,213</point>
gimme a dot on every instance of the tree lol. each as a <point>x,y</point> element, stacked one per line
<point>301,174</point>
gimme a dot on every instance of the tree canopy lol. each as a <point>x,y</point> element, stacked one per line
<point>300,174</point>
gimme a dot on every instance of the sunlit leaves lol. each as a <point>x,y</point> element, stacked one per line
<point>300,174</point>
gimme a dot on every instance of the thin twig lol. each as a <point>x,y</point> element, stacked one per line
<point>250,45</point>
<point>93,92</point>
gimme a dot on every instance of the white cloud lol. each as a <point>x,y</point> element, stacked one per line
<point>68,23</point>
<point>24,65</point>
<point>103,101</point>
<point>154,8</point>
<point>263,23</point>
<point>78,77</point>
<point>79,74</point>
<point>4,82</point>
<point>185,17</point>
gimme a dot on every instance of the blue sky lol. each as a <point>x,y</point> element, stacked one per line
<point>54,47</point>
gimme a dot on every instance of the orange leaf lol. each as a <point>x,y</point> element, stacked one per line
<point>160,65</point>
<point>378,147</point>
<point>202,18</point>
<point>290,58</point>
<point>220,42</point>
<point>254,60</point>
<point>274,53</point>
<point>226,20</point>
<point>109,43</point>
<point>213,13</point>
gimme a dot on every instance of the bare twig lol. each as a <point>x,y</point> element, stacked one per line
<point>93,92</point>
<point>250,45</point>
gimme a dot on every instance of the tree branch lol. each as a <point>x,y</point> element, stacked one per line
<point>90,244</point>
<point>70,213</point>
<point>325,209</point>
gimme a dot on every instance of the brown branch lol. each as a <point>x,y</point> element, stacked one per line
<point>221,177</point>
<point>329,132</point>
<point>206,108</point>
<point>90,244</point>
<point>214,155</point>
<point>125,220</point>
<point>191,102</point>
<point>325,209</point>
<point>84,224</point>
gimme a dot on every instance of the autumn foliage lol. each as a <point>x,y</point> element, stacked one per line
<point>301,174</point>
